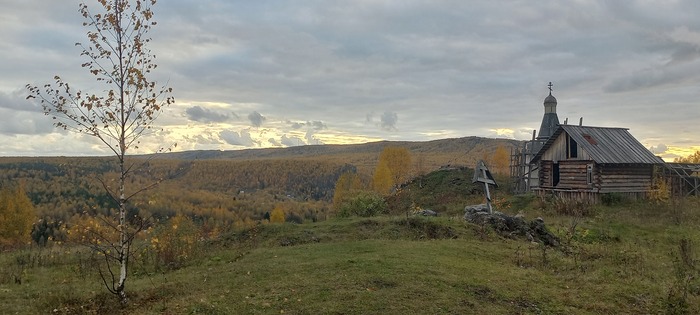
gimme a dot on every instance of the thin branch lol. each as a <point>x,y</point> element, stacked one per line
<point>109,191</point>
<point>110,288</point>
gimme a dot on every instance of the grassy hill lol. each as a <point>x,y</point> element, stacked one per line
<point>437,153</point>
<point>628,258</point>
<point>233,186</point>
<point>625,259</point>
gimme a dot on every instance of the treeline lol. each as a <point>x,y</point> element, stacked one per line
<point>215,194</point>
<point>301,179</point>
<point>690,159</point>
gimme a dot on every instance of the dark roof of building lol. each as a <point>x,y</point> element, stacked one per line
<point>550,123</point>
<point>605,145</point>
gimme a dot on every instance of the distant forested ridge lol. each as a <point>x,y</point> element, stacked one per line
<point>220,188</point>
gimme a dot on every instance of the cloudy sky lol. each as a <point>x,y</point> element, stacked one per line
<point>254,74</point>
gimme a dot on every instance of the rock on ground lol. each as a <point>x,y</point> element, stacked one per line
<point>511,226</point>
<point>427,213</point>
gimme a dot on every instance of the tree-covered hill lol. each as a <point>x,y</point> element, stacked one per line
<point>236,184</point>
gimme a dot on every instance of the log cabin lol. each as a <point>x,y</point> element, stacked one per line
<point>583,163</point>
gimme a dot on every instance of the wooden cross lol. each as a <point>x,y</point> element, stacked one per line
<point>483,175</point>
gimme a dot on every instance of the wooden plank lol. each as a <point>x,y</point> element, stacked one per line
<point>622,190</point>
<point>628,172</point>
<point>631,182</point>
<point>625,180</point>
<point>622,186</point>
<point>627,175</point>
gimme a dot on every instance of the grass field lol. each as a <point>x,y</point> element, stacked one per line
<point>633,258</point>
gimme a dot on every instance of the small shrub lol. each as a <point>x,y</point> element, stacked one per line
<point>363,204</point>
<point>501,204</point>
<point>174,242</point>
<point>686,272</point>
<point>294,218</point>
<point>424,228</point>
<point>612,199</point>
<point>660,190</point>
<point>576,208</point>
<point>594,236</point>
<point>520,202</point>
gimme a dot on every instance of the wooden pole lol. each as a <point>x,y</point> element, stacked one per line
<point>488,198</point>
<point>488,193</point>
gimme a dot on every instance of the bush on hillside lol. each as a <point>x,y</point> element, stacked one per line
<point>174,242</point>
<point>363,204</point>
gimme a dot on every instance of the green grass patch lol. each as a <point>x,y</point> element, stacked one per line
<point>612,262</point>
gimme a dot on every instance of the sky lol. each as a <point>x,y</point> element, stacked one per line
<point>257,74</point>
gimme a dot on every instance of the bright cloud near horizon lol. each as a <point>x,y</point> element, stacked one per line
<point>256,74</point>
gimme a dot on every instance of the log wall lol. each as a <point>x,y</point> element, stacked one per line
<point>629,180</point>
<point>574,175</point>
<point>626,178</point>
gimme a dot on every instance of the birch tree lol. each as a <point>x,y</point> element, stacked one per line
<point>118,57</point>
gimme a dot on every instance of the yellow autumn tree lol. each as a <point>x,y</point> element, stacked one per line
<point>175,242</point>
<point>501,160</point>
<point>691,159</point>
<point>382,181</point>
<point>277,215</point>
<point>91,231</point>
<point>394,164</point>
<point>345,186</point>
<point>16,217</point>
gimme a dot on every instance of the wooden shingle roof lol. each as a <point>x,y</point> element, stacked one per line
<point>605,145</point>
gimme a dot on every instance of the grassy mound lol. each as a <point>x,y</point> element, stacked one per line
<point>446,191</point>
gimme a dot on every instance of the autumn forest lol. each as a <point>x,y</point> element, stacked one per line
<point>218,194</point>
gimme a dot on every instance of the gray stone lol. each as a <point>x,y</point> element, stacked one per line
<point>477,208</point>
<point>510,226</point>
<point>427,213</point>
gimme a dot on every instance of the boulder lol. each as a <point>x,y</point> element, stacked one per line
<point>510,226</point>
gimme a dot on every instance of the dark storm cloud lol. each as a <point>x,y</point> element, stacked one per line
<point>21,116</point>
<point>17,100</point>
<point>197,113</point>
<point>297,125</point>
<point>315,125</point>
<point>256,119</point>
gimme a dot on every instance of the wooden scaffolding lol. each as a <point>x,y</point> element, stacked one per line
<point>684,178</point>
<point>524,174</point>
